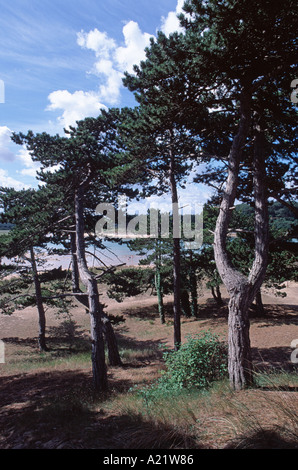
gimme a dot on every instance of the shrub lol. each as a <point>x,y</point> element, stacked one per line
<point>200,361</point>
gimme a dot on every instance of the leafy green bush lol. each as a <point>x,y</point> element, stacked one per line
<point>200,361</point>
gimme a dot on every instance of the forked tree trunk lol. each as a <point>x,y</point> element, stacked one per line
<point>39,303</point>
<point>241,289</point>
<point>99,368</point>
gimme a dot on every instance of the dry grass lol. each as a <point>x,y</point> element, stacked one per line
<point>47,400</point>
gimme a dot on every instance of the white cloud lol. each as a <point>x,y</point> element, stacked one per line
<point>170,24</point>
<point>31,167</point>
<point>109,91</point>
<point>5,153</point>
<point>8,182</point>
<point>75,106</point>
<point>22,156</point>
<point>111,61</point>
<point>96,41</point>
<point>134,50</point>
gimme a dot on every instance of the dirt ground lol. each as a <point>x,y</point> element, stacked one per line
<point>22,418</point>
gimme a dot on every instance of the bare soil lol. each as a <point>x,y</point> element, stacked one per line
<point>35,404</point>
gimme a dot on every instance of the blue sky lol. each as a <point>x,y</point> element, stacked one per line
<point>61,61</point>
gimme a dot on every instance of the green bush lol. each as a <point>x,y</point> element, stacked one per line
<point>200,361</point>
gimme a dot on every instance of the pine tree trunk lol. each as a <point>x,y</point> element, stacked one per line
<point>217,295</point>
<point>213,293</point>
<point>193,289</point>
<point>75,276</point>
<point>113,351</point>
<point>259,304</point>
<point>194,299</point>
<point>159,292</point>
<point>177,295</point>
<point>240,362</point>
<point>95,309</point>
<point>242,290</point>
<point>185,303</point>
<point>39,303</point>
<point>158,281</point>
<point>176,254</point>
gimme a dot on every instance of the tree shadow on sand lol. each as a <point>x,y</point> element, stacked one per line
<point>57,411</point>
<point>273,359</point>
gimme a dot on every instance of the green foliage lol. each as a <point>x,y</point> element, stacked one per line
<point>18,292</point>
<point>128,282</point>
<point>199,362</point>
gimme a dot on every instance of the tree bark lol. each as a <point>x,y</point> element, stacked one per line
<point>39,303</point>
<point>193,288</point>
<point>158,281</point>
<point>159,292</point>
<point>216,294</point>
<point>259,304</point>
<point>113,351</point>
<point>75,276</point>
<point>176,253</point>
<point>109,334</point>
<point>240,362</point>
<point>185,303</point>
<point>95,309</point>
<point>242,290</point>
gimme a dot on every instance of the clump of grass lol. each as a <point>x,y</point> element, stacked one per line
<point>218,417</point>
<point>265,416</point>
<point>153,434</point>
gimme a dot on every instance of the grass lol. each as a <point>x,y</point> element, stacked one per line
<point>218,417</point>
<point>48,401</point>
<point>261,417</point>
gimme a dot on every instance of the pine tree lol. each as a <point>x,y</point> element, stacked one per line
<point>33,215</point>
<point>87,163</point>
<point>158,138</point>
<point>243,54</point>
